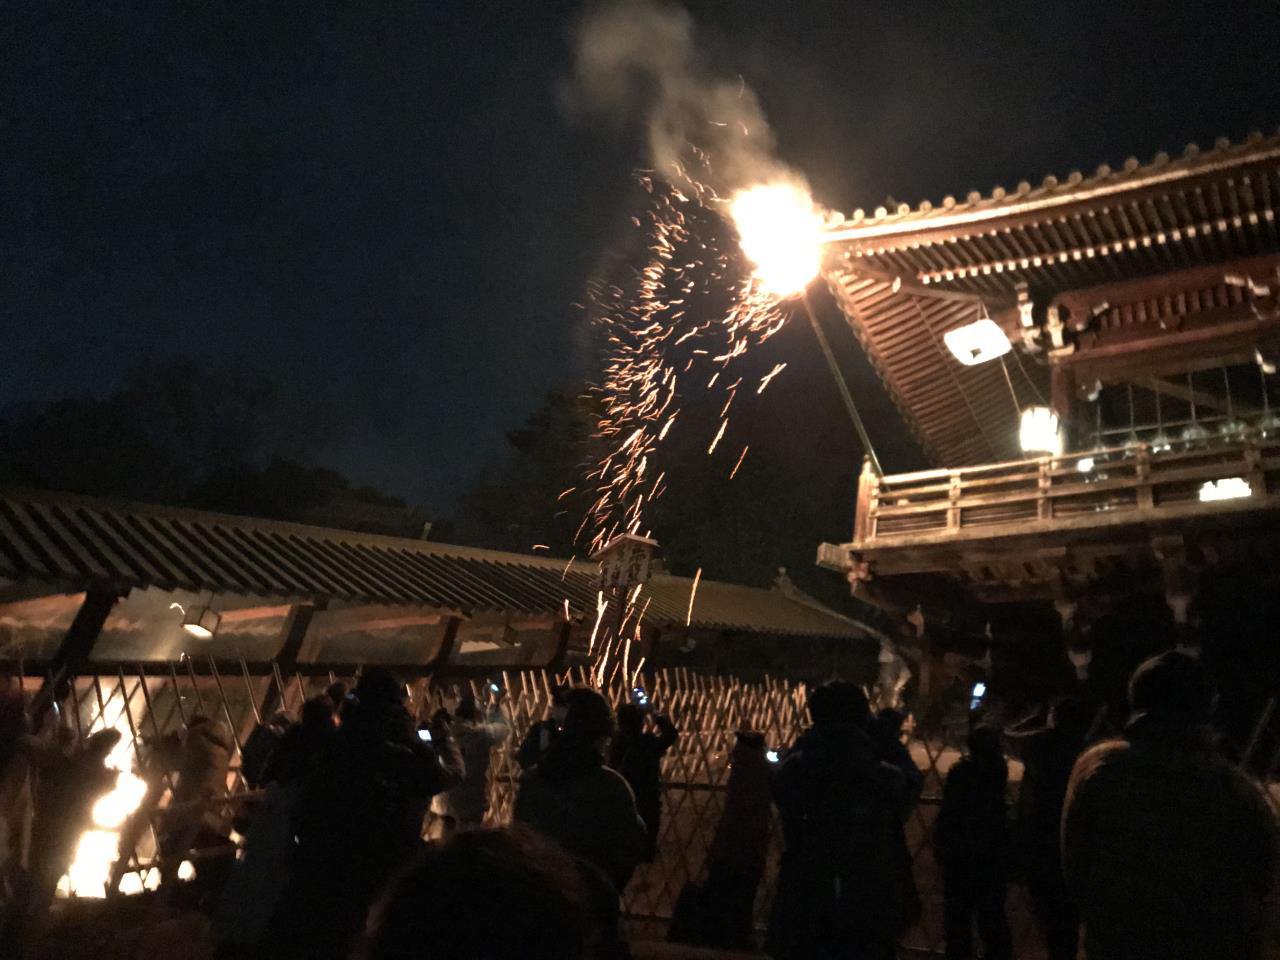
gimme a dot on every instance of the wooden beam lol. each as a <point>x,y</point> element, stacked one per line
<point>561,651</point>
<point>295,631</point>
<point>448,642</point>
<point>1170,351</point>
<point>77,644</point>
<point>1083,301</point>
<point>1197,397</point>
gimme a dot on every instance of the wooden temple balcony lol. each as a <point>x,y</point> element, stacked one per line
<point>1023,528</point>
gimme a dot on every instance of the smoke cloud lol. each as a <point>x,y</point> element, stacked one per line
<point>636,59</point>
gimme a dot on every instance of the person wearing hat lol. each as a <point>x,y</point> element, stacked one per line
<point>1169,849</point>
<point>541,734</point>
<point>573,798</point>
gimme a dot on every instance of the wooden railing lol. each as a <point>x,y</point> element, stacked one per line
<point>1072,491</point>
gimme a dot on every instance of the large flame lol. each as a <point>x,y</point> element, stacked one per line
<point>98,847</point>
<point>781,234</point>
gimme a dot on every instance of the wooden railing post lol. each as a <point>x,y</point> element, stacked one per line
<point>1146,496</point>
<point>953,496</point>
<point>868,483</point>
<point>1253,467</point>
<point>1044,482</point>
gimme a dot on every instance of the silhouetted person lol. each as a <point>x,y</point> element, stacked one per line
<point>637,755</point>
<point>506,894</point>
<point>464,806</point>
<point>1170,850</point>
<point>1048,754</point>
<point>971,842</point>
<point>719,912</point>
<point>259,746</point>
<point>572,797</point>
<point>260,877</point>
<point>359,817</point>
<point>541,734</point>
<point>15,786</point>
<point>840,886</point>
<point>886,735</point>
<point>303,745</point>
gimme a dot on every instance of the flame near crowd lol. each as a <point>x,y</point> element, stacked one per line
<point>713,158</point>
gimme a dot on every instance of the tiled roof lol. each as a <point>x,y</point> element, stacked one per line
<point>70,540</point>
<point>1106,182</point>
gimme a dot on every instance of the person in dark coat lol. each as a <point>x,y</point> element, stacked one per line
<point>359,817</point>
<point>1169,849</point>
<point>840,887</point>
<point>572,797</point>
<point>264,870</point>
<point>719,912</point>
<point>886,735</point>
<point>637,755</point>
<point>1048,753</point>
<point>541,734</point>
<point>259,746</point>
<point>971,843</point>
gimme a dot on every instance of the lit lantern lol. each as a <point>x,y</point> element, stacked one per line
<point>1228,488</point>
<point>1038,431</point>
<point>977,342</point>
<point>201,621</point>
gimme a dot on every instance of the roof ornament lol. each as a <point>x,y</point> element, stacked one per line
<point>1055,327</point>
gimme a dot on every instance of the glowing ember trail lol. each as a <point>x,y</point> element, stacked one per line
<point>693,593</point>
<point>659,329</point>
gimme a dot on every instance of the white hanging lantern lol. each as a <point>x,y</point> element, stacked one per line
<point>1038,431</point>
<point>977,342</point>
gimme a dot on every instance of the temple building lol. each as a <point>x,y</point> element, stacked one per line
<point>1090,365</point>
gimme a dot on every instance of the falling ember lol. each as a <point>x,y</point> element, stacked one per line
<point>781,234</point>
<point>734,472</point>
<point>768,377</point>
<point>716,442</point>
<point>693,593</point>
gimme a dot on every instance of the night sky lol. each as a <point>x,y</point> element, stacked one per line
<point>384,206</point>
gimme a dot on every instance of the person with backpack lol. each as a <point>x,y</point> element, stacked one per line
<point>637,755</point>
<point>842,893</point>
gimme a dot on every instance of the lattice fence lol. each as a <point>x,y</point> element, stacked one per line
<point>707,709</point>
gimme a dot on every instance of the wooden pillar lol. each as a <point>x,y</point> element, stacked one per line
<point>77,644</point>
<point>296,623</point>
<point>1062,388</point>
<point>561,651</point>
<point>440,661</point>
<point>867,482</point>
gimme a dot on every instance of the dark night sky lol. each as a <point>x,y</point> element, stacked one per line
<point>382,205</point>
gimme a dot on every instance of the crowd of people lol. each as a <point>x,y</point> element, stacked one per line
<point>1153,843</point>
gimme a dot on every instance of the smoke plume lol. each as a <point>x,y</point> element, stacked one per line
<point>637,58</point>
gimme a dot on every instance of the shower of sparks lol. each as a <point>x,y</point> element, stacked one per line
<point>693,594</point>
<point>661,343</point>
